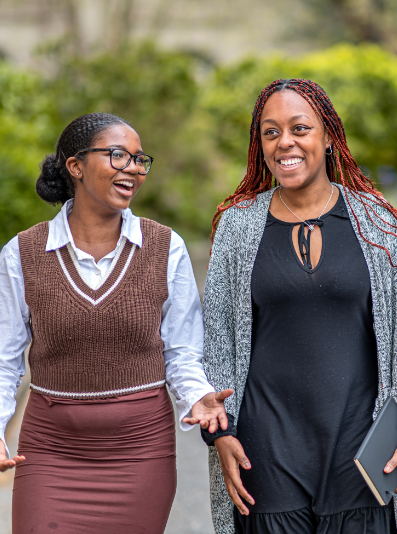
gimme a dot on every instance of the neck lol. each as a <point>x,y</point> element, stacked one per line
<point>308,198</point>
<point>306,202</point>
<point>94,228</point>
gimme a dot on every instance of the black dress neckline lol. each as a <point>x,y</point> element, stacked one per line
<point>339,210</point>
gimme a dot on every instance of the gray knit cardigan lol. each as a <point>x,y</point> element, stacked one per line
<point>228,314</point>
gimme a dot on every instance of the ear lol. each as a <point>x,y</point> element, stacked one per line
<point>328,139</point>
<point>74,167</point>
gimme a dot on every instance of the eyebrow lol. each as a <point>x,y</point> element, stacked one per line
<point>294,118</point>
<point>123,147</point>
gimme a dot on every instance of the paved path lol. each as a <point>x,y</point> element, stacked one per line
<point>190,513</point>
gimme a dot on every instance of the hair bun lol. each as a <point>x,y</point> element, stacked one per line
<point>50,185</point>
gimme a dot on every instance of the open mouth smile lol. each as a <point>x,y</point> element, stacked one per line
<point>289,164</point>
<point>124,187</point>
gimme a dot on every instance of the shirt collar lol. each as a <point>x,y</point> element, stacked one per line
<point>59,233</point>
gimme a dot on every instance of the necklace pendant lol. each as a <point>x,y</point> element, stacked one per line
<point>311,227</point>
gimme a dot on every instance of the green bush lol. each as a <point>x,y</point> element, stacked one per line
<point>361,81</point>
<point>195,127</point>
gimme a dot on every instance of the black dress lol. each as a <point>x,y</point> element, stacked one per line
<point>311,387</point>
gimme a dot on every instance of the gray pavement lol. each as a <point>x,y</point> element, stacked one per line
<point>190,513</point>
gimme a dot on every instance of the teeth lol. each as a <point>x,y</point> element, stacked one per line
<point>128,184</point>
<point>289,162</point>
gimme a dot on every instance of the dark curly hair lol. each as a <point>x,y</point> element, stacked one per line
<point>55,185</point>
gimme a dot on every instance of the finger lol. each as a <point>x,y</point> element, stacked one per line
<point>213,425</point>
<point>235,497</point>
<point>9,464</point>
<point>223,420</point>
<point>222,395</point>
<point>238,485</point>
<point>244,462</point>
<point>190,420</point>
<point>204,424</point>
<point>244,493</point>
<point>19,459</point>
<point>391,464</point>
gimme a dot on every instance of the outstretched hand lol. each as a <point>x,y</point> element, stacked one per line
<point>8,464</point>
<point>210,411</point>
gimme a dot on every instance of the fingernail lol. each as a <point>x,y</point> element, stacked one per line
<point>387,468</point>
<point>247,465</point>
<point>251,502</point>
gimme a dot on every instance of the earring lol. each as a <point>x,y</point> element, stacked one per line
<point>330,150</point>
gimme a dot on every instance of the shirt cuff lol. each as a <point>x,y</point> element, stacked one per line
<point>231,430</point>
<point>2,437</point>
<point>185,405</point>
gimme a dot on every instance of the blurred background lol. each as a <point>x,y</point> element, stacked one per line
<point>186,75</point>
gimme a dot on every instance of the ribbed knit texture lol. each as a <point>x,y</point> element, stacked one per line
<point>79,347</point>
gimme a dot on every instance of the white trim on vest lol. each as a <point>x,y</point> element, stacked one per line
<point>98,393</point>
<point>80,292</point>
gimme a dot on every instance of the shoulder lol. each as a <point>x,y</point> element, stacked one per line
<point>39,231</point>
<point>362,200</point>
<point>149,224</point>
<point>367,206</point>
<point>376,223</point>
<point>154,233</point>
<point>10,252</point>
<point>177,244</point>
<point>240,218</point>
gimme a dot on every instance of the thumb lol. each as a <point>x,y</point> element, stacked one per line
<point>222,395</point>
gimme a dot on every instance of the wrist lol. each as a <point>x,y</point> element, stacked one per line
<point>223,440</point>
<point>209,438</point>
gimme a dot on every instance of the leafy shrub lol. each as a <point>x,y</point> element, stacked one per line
<point>195,127</point>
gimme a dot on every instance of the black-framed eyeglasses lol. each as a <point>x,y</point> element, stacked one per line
<point>120,158</point>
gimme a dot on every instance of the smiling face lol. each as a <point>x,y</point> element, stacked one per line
<point>294,140</point>
<point>97,183</point>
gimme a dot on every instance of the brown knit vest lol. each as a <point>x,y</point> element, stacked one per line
<point>108,345</point>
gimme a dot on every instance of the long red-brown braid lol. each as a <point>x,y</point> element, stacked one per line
<point>341,166</point>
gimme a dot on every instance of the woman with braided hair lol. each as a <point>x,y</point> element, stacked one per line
<point>300,318</point>
<point>110,305</point>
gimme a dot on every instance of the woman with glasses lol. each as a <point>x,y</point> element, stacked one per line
<point>109,303</point>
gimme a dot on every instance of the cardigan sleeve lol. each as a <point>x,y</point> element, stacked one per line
<point>219,317</point>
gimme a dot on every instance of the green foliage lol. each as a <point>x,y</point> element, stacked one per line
<point>196,128</point>
<point>156,91</point>
<point>23,144</point>
<point>360,81</point>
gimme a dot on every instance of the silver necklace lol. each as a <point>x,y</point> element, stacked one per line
<point>310,226</point>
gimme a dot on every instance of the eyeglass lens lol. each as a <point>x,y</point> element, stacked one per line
<point>120,159</point>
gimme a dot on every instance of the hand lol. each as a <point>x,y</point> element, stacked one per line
<point>231,456</point>
<point>8,464</point>
<point>209,410</point>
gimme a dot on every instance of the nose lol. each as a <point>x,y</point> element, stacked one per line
<point>131,167</point>
<point>285,140</point>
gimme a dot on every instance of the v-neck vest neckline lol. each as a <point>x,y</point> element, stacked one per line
<point>96,343</point>
<point>114,278</point>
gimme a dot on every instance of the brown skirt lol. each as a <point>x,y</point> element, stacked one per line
<point>96,467</point>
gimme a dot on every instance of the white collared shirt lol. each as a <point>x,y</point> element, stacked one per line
<point>181,326</point>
